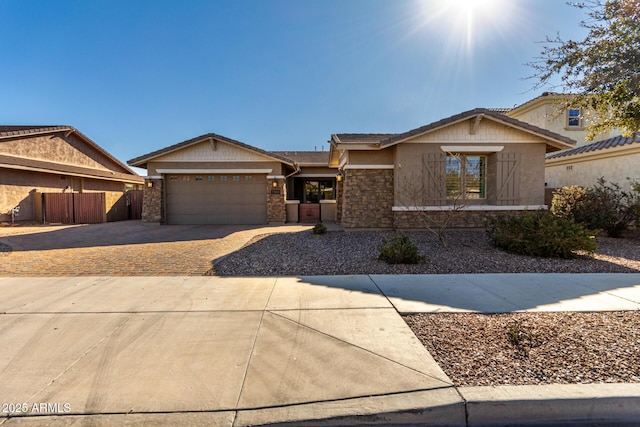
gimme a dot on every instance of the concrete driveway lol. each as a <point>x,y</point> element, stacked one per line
<point>127,248</point>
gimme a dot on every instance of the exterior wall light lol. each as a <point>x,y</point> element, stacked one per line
<point>149,184</point>
<point>274,184</point>
<point>339,177</point>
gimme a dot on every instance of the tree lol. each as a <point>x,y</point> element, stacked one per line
<point>602,72</point>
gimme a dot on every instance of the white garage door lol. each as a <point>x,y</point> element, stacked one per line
<point>216,199</point>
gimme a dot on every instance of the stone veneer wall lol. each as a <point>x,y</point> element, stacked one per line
<point>276,203</point>
<point>368,198</point>
<point>460,219</point>
<point>339,200</point>
<point>152,203</point>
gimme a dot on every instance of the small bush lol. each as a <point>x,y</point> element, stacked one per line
<point>399,250</point>
<point>605,206</point>
<point>566,200</point>
<point>319,228</point>
<point>540,234</point>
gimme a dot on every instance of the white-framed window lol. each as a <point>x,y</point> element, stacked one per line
<point>574,118</point>
<point>466,176</point>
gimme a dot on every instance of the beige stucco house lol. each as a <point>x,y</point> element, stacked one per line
<point>212,179</point>
<point>616,159</point>
<point>475,163</point>
<point>609,155</point>
<point>57,159</point>
<point>478,162</point>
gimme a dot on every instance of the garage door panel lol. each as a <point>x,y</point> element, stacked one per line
<point>216,200</point>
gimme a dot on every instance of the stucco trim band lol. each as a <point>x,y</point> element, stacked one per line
<point>214,171</point>
<point>472,148</point>
<point>468,208</point>
<point>369,167</point>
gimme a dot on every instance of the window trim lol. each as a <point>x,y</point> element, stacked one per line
<point>568,117</point>
<point>463,177</point>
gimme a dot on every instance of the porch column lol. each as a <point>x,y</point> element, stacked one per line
<point>152,200</point>
<point>276,199</point>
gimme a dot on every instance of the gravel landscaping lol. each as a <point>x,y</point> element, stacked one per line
<point>532,348</point>
<point>475,349</point>
<point>339,252</point>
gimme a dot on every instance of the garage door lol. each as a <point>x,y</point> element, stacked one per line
<point>216,199</point>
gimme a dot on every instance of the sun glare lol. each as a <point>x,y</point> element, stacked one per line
<point>470,22</point>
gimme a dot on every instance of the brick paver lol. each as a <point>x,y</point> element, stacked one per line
<point>127,248</point>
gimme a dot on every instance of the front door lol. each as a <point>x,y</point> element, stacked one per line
<point>310,206</point>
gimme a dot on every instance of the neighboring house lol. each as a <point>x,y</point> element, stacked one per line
<point>542,112</point>
<point>616,159</point>
<point>475,163</point>
<point>55,160</point>
<point>610,155</point>
<point>212,179</point>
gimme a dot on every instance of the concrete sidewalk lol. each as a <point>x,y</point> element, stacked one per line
<point>322,350</point>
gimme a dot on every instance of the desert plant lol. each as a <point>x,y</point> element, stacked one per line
<point>606,206</point>
<point>319,228</point>
<point>399,250</point>
<point>566,200</point>
<point>523,337</point>
<point>540,234</point>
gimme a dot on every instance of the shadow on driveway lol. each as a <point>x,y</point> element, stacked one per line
<point>128,248</point>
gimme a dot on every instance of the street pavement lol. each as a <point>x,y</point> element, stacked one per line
<point>313,350</point>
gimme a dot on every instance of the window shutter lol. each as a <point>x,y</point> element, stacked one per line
<point>434,177</point>
<point>508,179</point>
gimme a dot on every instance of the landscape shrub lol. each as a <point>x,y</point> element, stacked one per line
<point>399,250</point>
<point>605,206</point>
<point>566,200</point>
<point>319,228</point>
<point>540,234</point>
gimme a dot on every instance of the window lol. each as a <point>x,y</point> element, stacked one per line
<point>316,190</point>
<point>223,178</point>
<point>573,118</point>
<point>466,177</point>
<point>211,178</point>
<point>198,178</point>
<point>236,178</point>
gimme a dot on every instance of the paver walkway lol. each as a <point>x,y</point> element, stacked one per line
<point>127,248</point>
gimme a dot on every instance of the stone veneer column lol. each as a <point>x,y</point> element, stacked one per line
<point>339,200</point>
<point>152,201</point>
<point>276,200</point>
<point>368,198</point>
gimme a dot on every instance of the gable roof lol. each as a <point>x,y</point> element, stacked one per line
<point>141,161</point>
<point>18,131</point>
<point>605,144</point>
<point>306,158</point>
<point>379,140</point>
<point>554,140</point>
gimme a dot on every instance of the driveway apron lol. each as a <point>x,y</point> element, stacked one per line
<point>127,248</point>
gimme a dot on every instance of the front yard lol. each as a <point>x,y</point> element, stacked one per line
<point>338,252</point>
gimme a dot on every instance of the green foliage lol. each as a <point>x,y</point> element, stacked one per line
<point>399,250</point>
<point>522,337</point>
<point>319,228</point>
<point>540,234</point>
<point>601,69</point>
<point>565,200</point>
<point>605,206</point>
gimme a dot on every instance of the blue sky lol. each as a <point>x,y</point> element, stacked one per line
<point>139,75</point>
